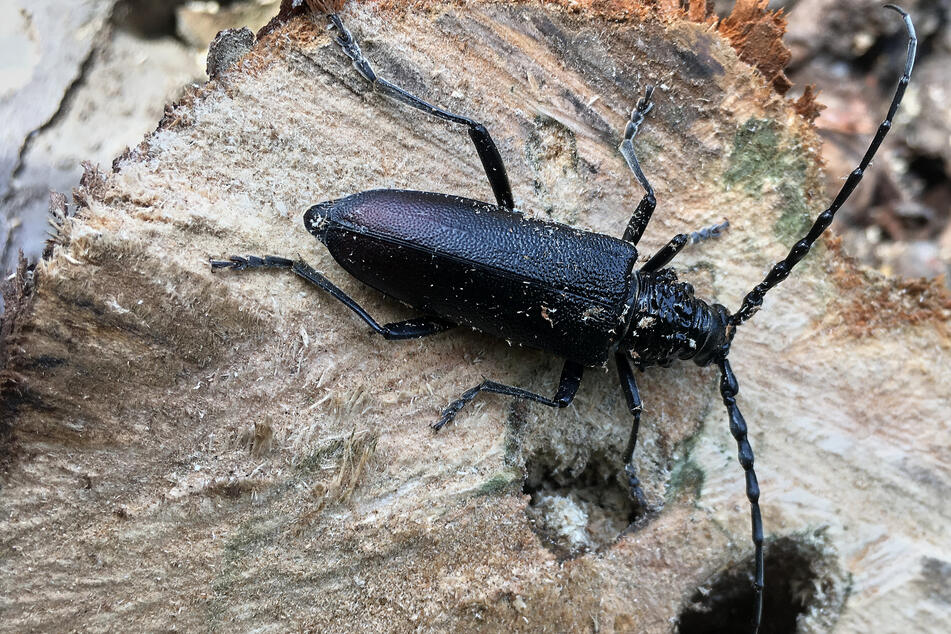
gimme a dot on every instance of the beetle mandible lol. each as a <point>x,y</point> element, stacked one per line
<point>546,285</point>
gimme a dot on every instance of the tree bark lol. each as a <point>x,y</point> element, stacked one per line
<point>198,451</point>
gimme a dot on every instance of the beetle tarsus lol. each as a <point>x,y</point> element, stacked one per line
<point>708,233</point>
<point>351,49</point>
<point>449,414</point>
<point>635,491</point>
<point>644,105</point>
<point>239,263</point>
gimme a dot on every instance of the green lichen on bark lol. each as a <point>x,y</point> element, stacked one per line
<point>762,158</point>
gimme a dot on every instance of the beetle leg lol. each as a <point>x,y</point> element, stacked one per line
<point>728,390</point>
<point>567,387</point>
<point>713,231</point>
<point>408,329</point>
<point>485,146</point>
<point>645,208</point>
<point>633,398</point>
<point>414,328</point>
<point>663,257</point>
<point>252,262</point>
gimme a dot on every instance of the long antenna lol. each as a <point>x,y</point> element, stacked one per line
<point>780,270</point>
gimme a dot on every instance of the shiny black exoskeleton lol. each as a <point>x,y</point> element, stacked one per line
<point>539,284</point>
<point>574,293</point>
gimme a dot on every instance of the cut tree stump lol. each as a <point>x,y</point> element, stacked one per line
<point>198,451</point>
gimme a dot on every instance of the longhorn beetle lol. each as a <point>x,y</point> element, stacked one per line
<point>542,284</point>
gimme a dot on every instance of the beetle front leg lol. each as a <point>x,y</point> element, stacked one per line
<point>407,329</point>
<point>567,387</point>
<point>663,257</point>
<point>645,208</point>
<point>633,398</point>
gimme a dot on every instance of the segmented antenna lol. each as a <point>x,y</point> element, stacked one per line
<point>780,270</point>
<point>728,390</point>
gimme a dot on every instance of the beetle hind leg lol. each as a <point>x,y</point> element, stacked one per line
<point>488,152</point>
<point>407,329</point>
<point>567,388</point>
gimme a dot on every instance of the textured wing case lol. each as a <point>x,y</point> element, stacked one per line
<point>534,283</point>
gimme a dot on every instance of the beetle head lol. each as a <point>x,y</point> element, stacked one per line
<point>719,336</point>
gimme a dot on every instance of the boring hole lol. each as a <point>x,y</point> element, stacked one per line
<point>577,510</point>
<point>805,592</point>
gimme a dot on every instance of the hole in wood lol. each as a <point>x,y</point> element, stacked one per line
<point>805,590</point>
<point>577,511</point>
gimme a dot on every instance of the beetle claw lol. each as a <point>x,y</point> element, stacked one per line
<point>644,104</point>
<point>448,414</point>
<point>233,262</point>
<point>634,489</point>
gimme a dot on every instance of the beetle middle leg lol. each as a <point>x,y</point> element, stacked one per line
<point>567,388</point>
<point>485,146</point>
<point>407,329</point>
<point>633,398</point>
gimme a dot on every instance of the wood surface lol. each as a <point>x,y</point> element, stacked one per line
<point>198,451</point>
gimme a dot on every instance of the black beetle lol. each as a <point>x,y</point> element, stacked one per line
<point>542,284</point>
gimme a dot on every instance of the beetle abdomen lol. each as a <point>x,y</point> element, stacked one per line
<point>535,283</point>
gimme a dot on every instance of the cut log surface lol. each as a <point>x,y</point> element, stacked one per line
<point>195,451</point>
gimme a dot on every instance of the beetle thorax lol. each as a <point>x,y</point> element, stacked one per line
<point>670,323</point>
